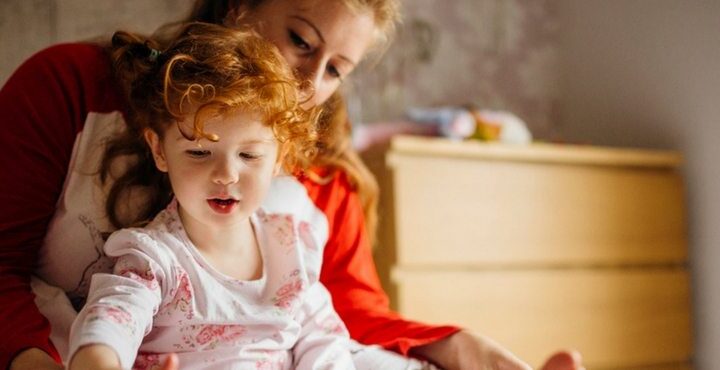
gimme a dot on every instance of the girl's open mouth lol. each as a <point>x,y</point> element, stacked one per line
<point>222,205</point>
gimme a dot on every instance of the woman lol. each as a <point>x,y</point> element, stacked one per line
<point>62,103</point>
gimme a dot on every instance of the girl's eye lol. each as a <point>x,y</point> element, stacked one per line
<point>250,156</point>
<point>197,153</point>
<point>298,41</point>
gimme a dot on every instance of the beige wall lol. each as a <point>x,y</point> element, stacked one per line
<point>27,26</point>
<point>498,54</point>
<point>647,73</point>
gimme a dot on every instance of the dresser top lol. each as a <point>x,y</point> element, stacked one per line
<point>536,152</point>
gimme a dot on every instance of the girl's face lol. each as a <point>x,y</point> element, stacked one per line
<point>218,184</point>
<point>323,40</point>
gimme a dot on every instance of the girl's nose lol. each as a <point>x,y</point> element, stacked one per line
<point>225,172</point>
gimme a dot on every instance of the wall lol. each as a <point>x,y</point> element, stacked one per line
<point>499,54</point>
<point>27,26</point>
<point>494,53</point>
<point>647,73</point>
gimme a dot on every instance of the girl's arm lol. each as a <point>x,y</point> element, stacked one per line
<point>323,341</point>
<point>120,307</point>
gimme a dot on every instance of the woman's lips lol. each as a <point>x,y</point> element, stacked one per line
<point>222,206</point>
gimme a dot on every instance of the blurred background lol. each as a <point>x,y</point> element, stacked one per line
<point>640,74</point>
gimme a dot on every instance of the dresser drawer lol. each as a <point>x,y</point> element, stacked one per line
<point>617,318</point>
<point>499,210</point>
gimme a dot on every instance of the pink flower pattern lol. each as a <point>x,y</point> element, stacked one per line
<point>224,333</point>
<point>306,235</point>
<point>115,314</point>
<point>333,325</point>
<point>147,361</point>
<point>211,336</point>
<point>288,294</point>
<point>146,277</point>
<point>182,294</point>
<point>272,361</point>
<point>197,336</point>
<point>284,231</point>
<point>266,364</point>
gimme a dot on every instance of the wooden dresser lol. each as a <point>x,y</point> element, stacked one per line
<point>540,247</point>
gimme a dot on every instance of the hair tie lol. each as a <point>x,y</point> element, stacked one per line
<point>154,54</point>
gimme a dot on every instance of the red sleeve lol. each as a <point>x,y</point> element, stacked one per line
<point>349,274</point>
<point>43,107</point>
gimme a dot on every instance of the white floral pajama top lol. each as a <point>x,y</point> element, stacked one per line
<point>164,297</point>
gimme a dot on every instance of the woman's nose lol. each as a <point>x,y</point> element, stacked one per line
<point>313,71</point>
<point>225,172</point>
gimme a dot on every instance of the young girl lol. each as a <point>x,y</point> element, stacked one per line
<point>218,277</point>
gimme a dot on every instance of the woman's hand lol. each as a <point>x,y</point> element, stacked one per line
<point>34,359</point>
<point>171,363</point>
<point>469,352</point>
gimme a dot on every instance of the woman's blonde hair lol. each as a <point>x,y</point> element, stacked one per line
<point>334,144</point>
<point>207,71</point>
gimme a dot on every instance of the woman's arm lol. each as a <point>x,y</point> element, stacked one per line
<point>44,105</point>
<point>465,351</point>
<point>34,359</point>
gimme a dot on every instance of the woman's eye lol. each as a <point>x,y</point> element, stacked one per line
<point>298,41</point>
<point>197,153</point>
<point>333,72</point>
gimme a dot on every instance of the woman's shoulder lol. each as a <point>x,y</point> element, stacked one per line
<point>329,188</point>
<point>326,180</point>
<point>83,58</point>
<point>76,73</point>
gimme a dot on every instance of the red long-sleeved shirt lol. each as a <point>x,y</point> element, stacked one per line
<point>44,108</point>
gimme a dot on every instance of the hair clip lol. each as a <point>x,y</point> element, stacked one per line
<point>154,54</point>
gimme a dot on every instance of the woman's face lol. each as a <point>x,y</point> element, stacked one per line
<point>323,40</point>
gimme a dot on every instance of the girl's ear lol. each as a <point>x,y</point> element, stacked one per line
<point>155,144</point>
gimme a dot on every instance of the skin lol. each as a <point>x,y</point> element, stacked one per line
<point>232,175</point>
<point>324,41</point>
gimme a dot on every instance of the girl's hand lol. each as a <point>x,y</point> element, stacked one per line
<point>100,357</point>
<point>34,359</point>
<point>469,352</point>
<point>95,357</point>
